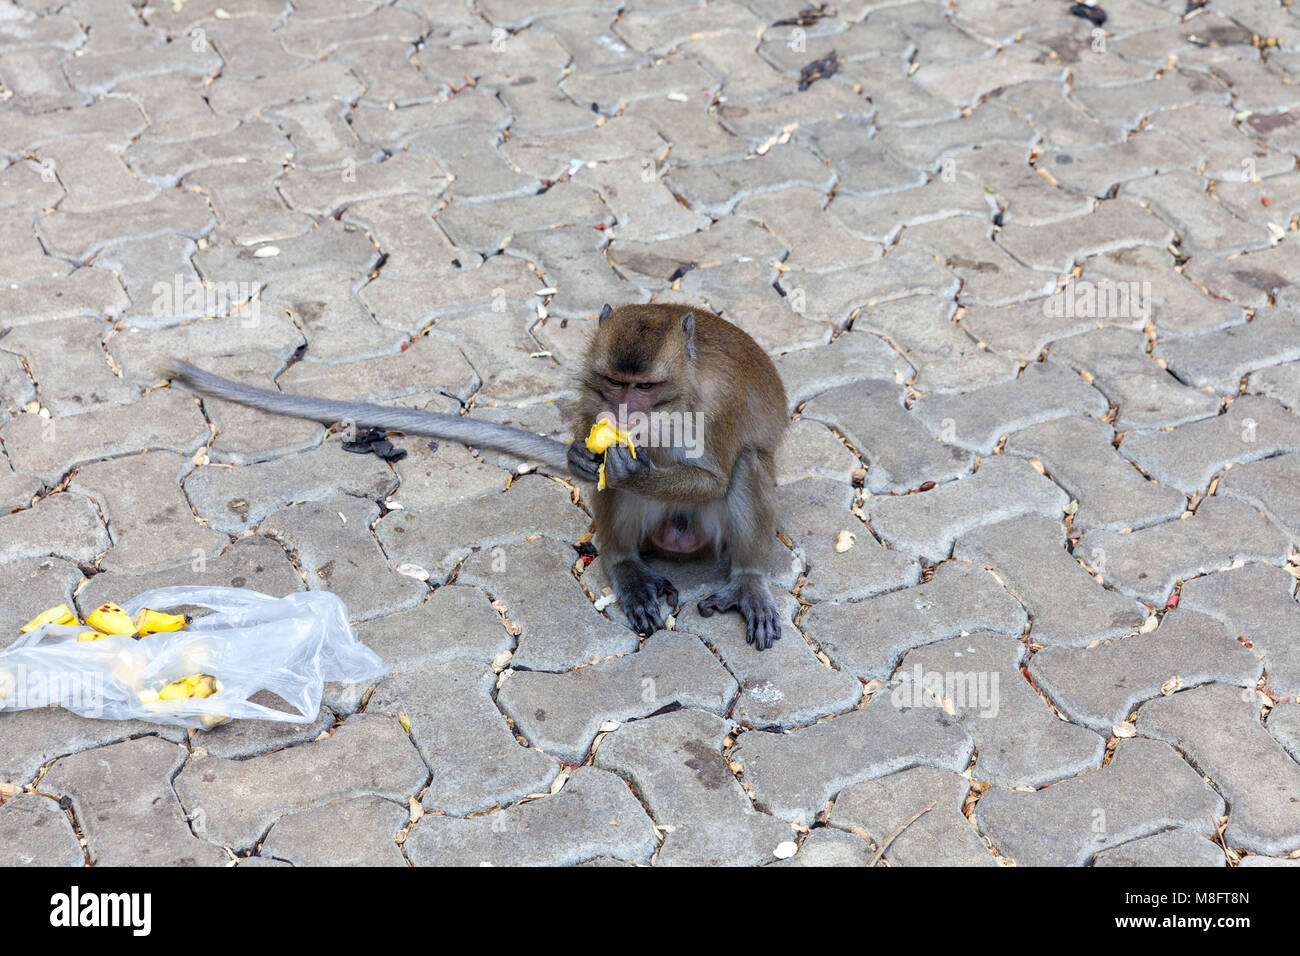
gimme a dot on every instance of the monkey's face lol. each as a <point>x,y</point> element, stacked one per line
<point>640,394</point>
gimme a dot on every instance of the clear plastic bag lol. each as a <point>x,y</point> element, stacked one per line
<point>289,646</point>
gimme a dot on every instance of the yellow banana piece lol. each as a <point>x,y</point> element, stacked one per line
<point>195,685</point>
<point>55,615</point>
<point>91,636</point>
<point>212,720</point>
<point>149,621</point>
<point>111,619</point>
<point>603,435</point>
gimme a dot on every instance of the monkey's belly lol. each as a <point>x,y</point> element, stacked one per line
<point>678,534</point>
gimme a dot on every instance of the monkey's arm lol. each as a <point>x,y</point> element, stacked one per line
<point>679,481</point>
<point>467,431</point>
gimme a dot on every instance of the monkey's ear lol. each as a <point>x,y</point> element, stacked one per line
<point>604,314</point>
<point>688,332</point>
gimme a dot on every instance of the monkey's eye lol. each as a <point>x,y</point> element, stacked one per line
<point>645,386</point>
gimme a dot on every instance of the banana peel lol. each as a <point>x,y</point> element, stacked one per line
<point>62,614</point>
<point>603,436</point>
<point>109,618</point>
<point>149,621</point>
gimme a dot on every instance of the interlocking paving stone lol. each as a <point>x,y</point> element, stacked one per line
<point>1095,171</point>
<point>675,764</point>
<point>979,419</point>
<point>235,499</point>
<point>809,450</point>
<point>562,713</point>
<point>331,543</point>
<point>142,824</point>
<point>794,776</point>
<point>1114,225</point>
<point>1251,279</point>
<point>900,452</point>
<point>1177,847</point>
<point>946,358</point>
<point>927,524</point>
<point>942,836</point>
<point>1100,686</point>
<point>868,638</point>
<point>813,513</point>
<point>1218,727</point>
<point>35,832</point>
<point>148,518</point>
<point>248,738</point>
<point>1019,741</point>
<point>782,687</point>
<point>78,235</point>
<point>63,525</point>
<point>84,291</point>
<point>66,361</point>
<point>1189,456</point>
<point>825,846</point>
<point>715,189</point>
<point>794,216</point>
<point>908,271</point>
<point>1270,486</point>
<point>1080,456</point>
<point>1281,382</point>
<point>1065,603</point>
<point>1145,789</point>
<point>17,491</point>
<point>1221,359</point>
<point>1204,225</point>
<point>560,629</point>
<point>595,815</point>
<point>1255,602</point>
<point>240,799</point>
<point>1176,305</point>
<point>989,273</point>
<point>852,357</point>
<point>252,562</point>
<point>462,736</point>
<point>1284,724</point>
<point>164,419</point>
<point>1147,562</point>
<point>880,218</point>
<point>438,537</point>
<point>455,622</point>
<point>357,832</point>
<point>1146,395</point>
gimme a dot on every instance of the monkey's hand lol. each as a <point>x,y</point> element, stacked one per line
<point>749,594</point>
<point>621,467</point>
<point>583,463</point>
<point>639,590</point>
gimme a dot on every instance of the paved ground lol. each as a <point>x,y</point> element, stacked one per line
<point>1036,273</point>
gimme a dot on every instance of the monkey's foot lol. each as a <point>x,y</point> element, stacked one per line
<point>639,592</point>
<point>750,595</point>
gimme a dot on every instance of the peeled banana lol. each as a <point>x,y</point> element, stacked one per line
<point>111,619</point>
<point>55,615</point>
<point>603,435</point>
<point>195,685</point>
<point>149,621</point>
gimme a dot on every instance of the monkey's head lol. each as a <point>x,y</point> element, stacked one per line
<point>642,356</point>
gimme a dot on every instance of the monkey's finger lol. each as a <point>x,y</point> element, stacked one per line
<point>664,589</point>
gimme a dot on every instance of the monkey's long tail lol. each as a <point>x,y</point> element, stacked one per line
<point>467,431</point>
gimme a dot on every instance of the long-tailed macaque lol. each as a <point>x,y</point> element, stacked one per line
<point>707,411</point>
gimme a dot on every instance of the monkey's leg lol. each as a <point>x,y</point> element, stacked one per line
<point>751,520</point>
<point>619,530</point>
